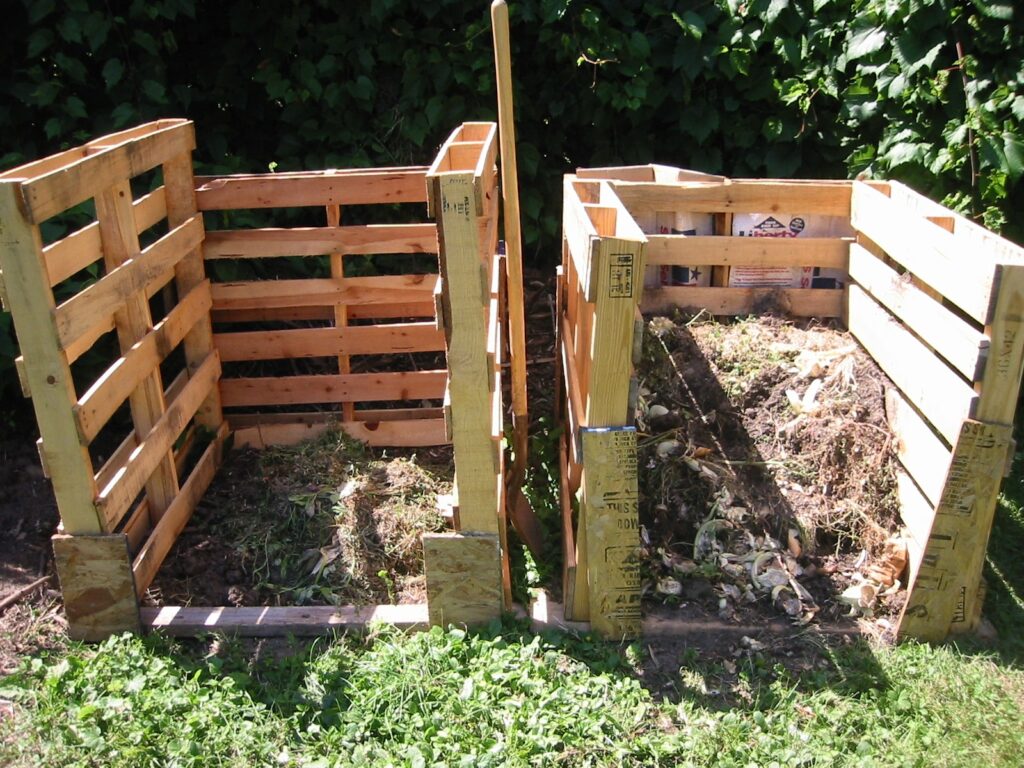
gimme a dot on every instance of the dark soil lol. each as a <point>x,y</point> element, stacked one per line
<point>744,470</point>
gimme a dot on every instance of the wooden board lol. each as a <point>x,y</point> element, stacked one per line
<point>934,388</point>
<point>311,188</point>
<point>49,378</point>
<point>386,311</point>
<point>612,530</point>
<point>67,186</point>
<point>392,338</point>
<point>398,432</point>
<point>960,343</point>
<point>1001,383</point>
<point>947,585</point>
<point>324,292</point>
<point>321,241</point>
<point>797,302</point>
<point>463,572</point>
<point>333,388</point>
<point>927,250</point>
<point>831,252</point>
<point>96,582</point>
<point>305,621</point>
<point>739,196</point>
<point>922,453</point>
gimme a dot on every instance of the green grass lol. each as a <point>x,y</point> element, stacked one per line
<point>503,697</point>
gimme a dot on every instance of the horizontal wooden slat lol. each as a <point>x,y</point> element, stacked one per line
<point>827,252</point>
<point>282,621</point>
<point>321,241</point>
<point>105,396</point>
<point>115,498</point>
<point>927,250</point>
<point>413,433</point>
<point>953,338</point>
<point>368,415</point>
<point>415,309</point>
<point>48,195</point>
<point>79,314</point>
<point>319,188</point>
<point>918,515</point>
<point>270,294</point>
<point>177,515</point>
<point>933,387</point>
<point>81,248</point>
<point>798,302</point>
<point>336,388</point>
<point>923,453</point>
<point>740,196</point>
<point>328,342</point>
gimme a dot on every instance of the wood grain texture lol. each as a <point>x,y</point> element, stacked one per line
<point>391,338</point>
<point>308,621</point>
<point>325,292</point>
<point>796,302</point>
<point>832,253</point>
<point>463,572</point>
<point>321,241</point>
<point>739,196</point>
<point>333,388</point>
<point>97,585</point>
<point>412,433</point>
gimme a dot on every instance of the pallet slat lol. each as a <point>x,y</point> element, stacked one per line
<point>282,621</point>
<point>412,433</point>
<point>324,292</point>
<point>311,188</point>
<point>333,388</point>
<point>937,391</point>
<point>739,196</point>
<point>321,241</point>
<point>64,187</point>
<point>828,252</point>
<point>921,452</point>
<point>78,315</point>
<point>326,342</point>
<point>962,345</point>
<point>799,302</point>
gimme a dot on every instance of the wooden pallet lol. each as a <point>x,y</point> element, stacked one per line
<point>935,299</point>
<point>177,332</point>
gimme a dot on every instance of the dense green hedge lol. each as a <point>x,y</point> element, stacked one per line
<point>931,91</point>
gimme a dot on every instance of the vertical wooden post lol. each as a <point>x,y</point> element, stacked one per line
<point>31,304</point>
<point>179,188</point>
<point>133,321</point>
<point>340,310</point>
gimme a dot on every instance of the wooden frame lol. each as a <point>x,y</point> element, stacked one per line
<point>935,299</point>
<point>119,521</point>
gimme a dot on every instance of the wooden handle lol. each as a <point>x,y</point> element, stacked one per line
<point>510,198</point>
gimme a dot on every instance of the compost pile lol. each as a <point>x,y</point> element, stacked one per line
<point>766,470</point>
<point>325,522</point>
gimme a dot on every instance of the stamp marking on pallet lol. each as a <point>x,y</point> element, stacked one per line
<point>611,500</point>
<point>941,595</point>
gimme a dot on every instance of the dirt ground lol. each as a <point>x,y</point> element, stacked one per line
<point>766,472</point>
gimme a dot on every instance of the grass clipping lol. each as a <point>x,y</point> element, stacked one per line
<point>326,522</point>
<point>765,443</point>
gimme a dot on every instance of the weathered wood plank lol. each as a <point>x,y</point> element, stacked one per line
<point>311,188</point>
<point>333,388</point>
<point>413,433</point>
<point>95,407</point>
<point>1001,381</point>
<point>797,302</point>
<point>49,377</point>
<point>935,389</point>
<point>953,338</point>
<point>830,252</point>
<point>463,572</point>
<point>612,530</point>
<point>282,621</point>
<point>739,196</point>
<point>946,587</point>
<point>325,292</point>
<point>96,582</point>
<point>386,311</point>
<point>926,250</point>
<point>321,241</point>
<point>67,186</point>
<point>328,342</point>
<point>81,248</point>
<point>79,314</point>
<point>922,453</point>
<point>147,562</point>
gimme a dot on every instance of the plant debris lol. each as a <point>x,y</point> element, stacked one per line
<point>326,522</point>
<point>766,467</point>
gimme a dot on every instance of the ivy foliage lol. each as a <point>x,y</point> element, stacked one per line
<point>928,91</point>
